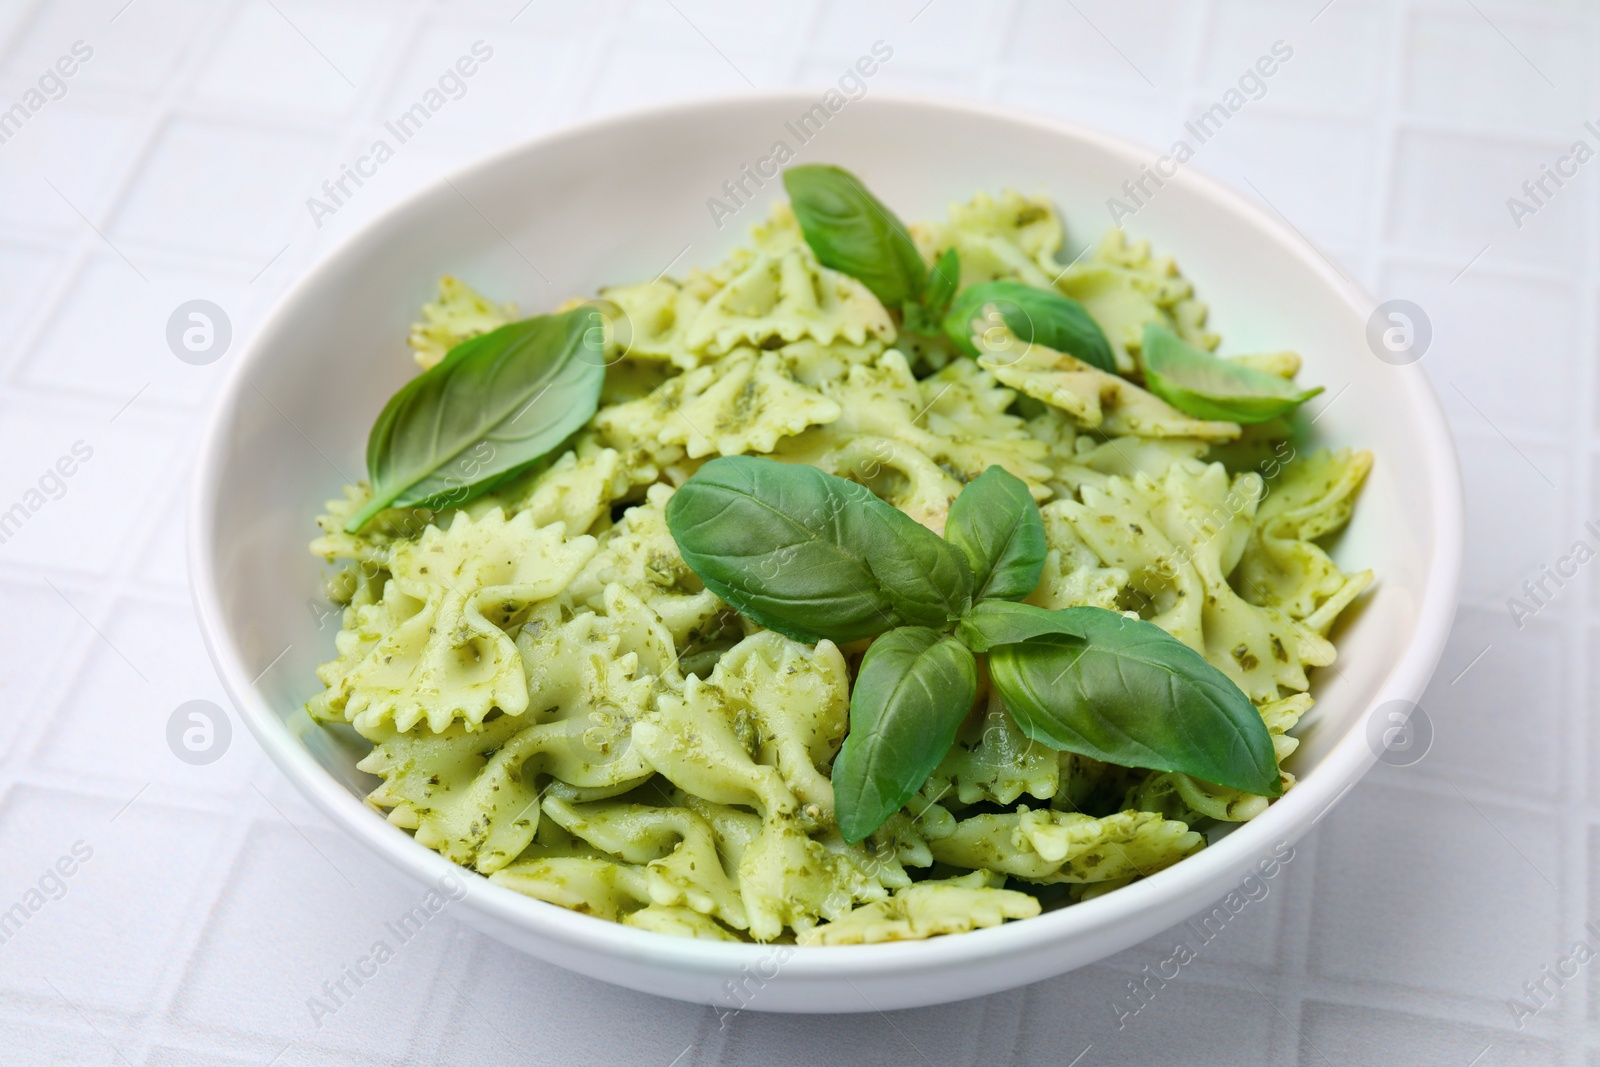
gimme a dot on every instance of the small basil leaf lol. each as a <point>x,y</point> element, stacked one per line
<point>1127,692</point>
<point>1002,622</point>
<point>926,577</point>
<point>1200,384</point>
<point>914,689</point>
<point>850,231</point>
<point>811,555</point>
<point>493,405</point>
<point>1040,316</point>
<point>943,281</point>
<point>997,526</point>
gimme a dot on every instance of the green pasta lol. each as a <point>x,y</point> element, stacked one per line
<point>556,700</point>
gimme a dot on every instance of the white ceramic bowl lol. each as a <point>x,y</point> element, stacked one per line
<point>625,197</point>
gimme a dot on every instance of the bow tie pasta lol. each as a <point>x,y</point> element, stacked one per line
<point>555,700</point>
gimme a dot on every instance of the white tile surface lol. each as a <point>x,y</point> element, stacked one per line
<point>217,902</point>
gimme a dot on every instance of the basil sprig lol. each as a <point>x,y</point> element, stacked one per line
<point>1200,384</point>
<point>852,232</point>
<point>813,556</point>
<point>1033,315</point>
<point>492,406</point>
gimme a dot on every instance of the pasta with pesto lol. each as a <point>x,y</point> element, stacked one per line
<point>554,699</point>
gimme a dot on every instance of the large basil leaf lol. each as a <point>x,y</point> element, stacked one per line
<point>811,555</point>
<point>1127,692</point>
<point>914,689</point>
<point>1040,316</point>
<point>851,231</point>
<point>996,524</point>
<point>1002,622</point>
<point>493,405</point>
<point>1200,384</point>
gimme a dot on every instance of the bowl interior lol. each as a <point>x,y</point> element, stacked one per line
<point>630,198</point>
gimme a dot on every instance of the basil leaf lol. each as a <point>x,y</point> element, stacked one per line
<point>996,524</point>
<point>914,689</point>
<point>851,231</point>
<point>493,405</point>
<point>1207,387</point>
<point>1127,692</point>
<point>811,555</point>
<point>1001,622</point>
<point>942,283</point>
<point>926,577</point>
<point>1034,315</point>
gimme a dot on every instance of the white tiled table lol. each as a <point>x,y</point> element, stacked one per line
<point>215,902</point>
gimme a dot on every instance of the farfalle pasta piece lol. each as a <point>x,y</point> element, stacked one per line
<point>459,314</point>
<point>576,490</point>
<point>945,906</point>
<point>679,922</point>
<point>1092,398</point>
<point>963,402</point>
<point>902,841</point>
<point>639,554</point>
<point>770,700</point>
<point>1124,288</point>
<point>787,876</point>
<point>655,320</point>
<point>1074,575</point>
<point>1283,567</point>
<point>1091,462</point>
<point>1177,540</point>
<point>460,791</point>
<point>1284,715</point>
<point>758,734</point>
<point>371,545</point>
<point>442,651</point>
<point>790,879</point>
<point>798,698</point>
<point>597,887</point>
<point>786,296</point>
<point>818,366</point>
<point>994,761</point>
<point>469,793</point>
<point>675,848</point>
<point>882,441</point>
<point>1011,237</point>
<point>746,402</point>
<point>1058,846</point>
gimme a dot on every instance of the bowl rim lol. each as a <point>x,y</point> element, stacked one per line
<point>1284,821</point>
